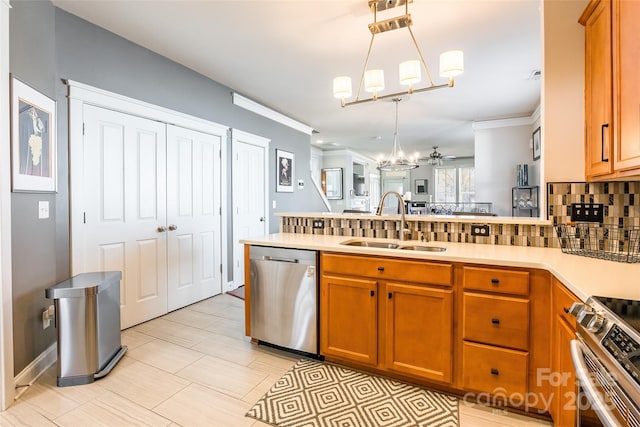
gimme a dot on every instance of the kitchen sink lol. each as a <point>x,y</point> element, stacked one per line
<point>392,245</point>
<point>370,244</point>
<point>423,248</point>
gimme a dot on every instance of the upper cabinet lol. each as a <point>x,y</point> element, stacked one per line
<point>612,90</point>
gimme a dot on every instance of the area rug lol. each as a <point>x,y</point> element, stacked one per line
<point>238,292</point>
<point>316,394</point>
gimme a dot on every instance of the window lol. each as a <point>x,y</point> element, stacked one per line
<point>455,184</point>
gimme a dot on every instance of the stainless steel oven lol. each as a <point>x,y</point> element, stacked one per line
<point>606,357</point>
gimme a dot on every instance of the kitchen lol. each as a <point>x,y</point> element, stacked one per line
<point>55,262</point>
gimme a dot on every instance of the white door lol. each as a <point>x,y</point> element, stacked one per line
<point>250,194</point>
<point>193,216</point>
<point>125,208</point>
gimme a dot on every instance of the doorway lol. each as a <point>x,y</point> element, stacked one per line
<point>250,190</point>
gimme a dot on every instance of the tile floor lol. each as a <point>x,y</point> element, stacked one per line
<point>191,367</point>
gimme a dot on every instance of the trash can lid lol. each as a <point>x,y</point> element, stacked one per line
<point>84,284</point>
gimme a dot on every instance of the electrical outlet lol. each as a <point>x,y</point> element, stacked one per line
<point>480,230</point>
<point>46,321</point>
<point>318,223</point>
<point>47,315</point>
<point>587,212</point>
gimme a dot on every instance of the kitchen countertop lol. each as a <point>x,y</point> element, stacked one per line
<point>583,276</point>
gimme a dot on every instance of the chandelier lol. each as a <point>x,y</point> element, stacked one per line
<point>397,161</point>
<point>435,158</point>
<point>451,62</point>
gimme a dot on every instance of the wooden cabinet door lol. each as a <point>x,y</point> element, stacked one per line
<point>563,378</point>
<point>348,319</point>
<point>599,91</point>
<point>626,15</point>
<point>419,330</point>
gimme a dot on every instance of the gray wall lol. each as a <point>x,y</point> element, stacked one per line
<point>39,258</point>
<point>497,152</point>
<point>47,45</point>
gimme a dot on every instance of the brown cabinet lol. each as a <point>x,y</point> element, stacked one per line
<point>495,331</point>
<point>612,89</point>
<point>496,320</point>
<point>349,319</point>
<point>562,376</point>
<point>406,328</point>
<point>418,331</point>
<point>466,328</point>
<point>494,370</point>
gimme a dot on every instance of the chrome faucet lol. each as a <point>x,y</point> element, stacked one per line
<point>404,229</point>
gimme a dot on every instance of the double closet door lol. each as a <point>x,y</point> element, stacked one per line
<point>151,210</point>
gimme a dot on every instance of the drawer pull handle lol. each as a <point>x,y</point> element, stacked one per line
<point>380,268</point>
<point>495,281</point>
<point>373,293</point>
<point>565,309</point>
<point>495,371</point>
<point>495,321</point>
<point>390,295</point>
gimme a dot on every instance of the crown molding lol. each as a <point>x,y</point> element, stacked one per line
<point>501,123</point>
<point>267,112</point>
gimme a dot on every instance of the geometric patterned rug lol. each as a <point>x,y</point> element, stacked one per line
<point>316,394</point>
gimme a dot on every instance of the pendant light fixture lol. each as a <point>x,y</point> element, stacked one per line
<point>397,161</point>
<point>451,62</point>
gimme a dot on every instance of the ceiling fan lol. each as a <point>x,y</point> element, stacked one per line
<point>436,158</point>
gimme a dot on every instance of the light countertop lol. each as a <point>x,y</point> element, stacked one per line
<point>583,276</point>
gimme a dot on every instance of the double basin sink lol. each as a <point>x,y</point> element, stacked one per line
<point>406,246</point>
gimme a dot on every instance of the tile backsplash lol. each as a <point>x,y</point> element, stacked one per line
<point>621,202</point>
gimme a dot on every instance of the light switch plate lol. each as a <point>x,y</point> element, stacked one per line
<point>43,209</point>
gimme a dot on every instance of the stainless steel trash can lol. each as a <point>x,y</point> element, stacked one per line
<point>88,323</point>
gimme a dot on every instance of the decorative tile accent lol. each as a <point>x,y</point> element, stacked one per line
<point>621,202</point>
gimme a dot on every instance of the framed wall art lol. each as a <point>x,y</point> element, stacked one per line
<point>33,139</point>
<point>537,144</point>
<point>284,171</point>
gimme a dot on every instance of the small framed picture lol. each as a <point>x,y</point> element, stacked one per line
<point>422,186</point>
<point>33,139</point>
<point>284,171</point>
<point>537,144</point>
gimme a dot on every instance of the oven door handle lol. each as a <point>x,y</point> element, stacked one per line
<point>593,395</point>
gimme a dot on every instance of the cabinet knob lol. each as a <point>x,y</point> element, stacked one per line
<point>373,293</point>
<point>390,295</point>
<point>495,281</point>
<point>495,321</point>
<point>380,268</point>
<point>494,371</point>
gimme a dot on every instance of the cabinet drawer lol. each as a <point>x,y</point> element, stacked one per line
<point>391,269</point>
<point>496,280</point>
<point>494,370</point>
<point>562,300</point>
<point>498,320</point>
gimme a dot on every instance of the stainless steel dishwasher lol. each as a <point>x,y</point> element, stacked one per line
<point>284,297</point>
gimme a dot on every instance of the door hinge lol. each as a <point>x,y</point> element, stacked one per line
<point>220,268</point>
<point>220,210</point>
<point>83,128</point>
<point>84,217</point>
<point>220,153</point>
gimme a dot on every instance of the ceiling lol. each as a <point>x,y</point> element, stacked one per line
<point>285,54</point>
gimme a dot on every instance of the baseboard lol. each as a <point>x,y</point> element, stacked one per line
<point>32,372</point>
